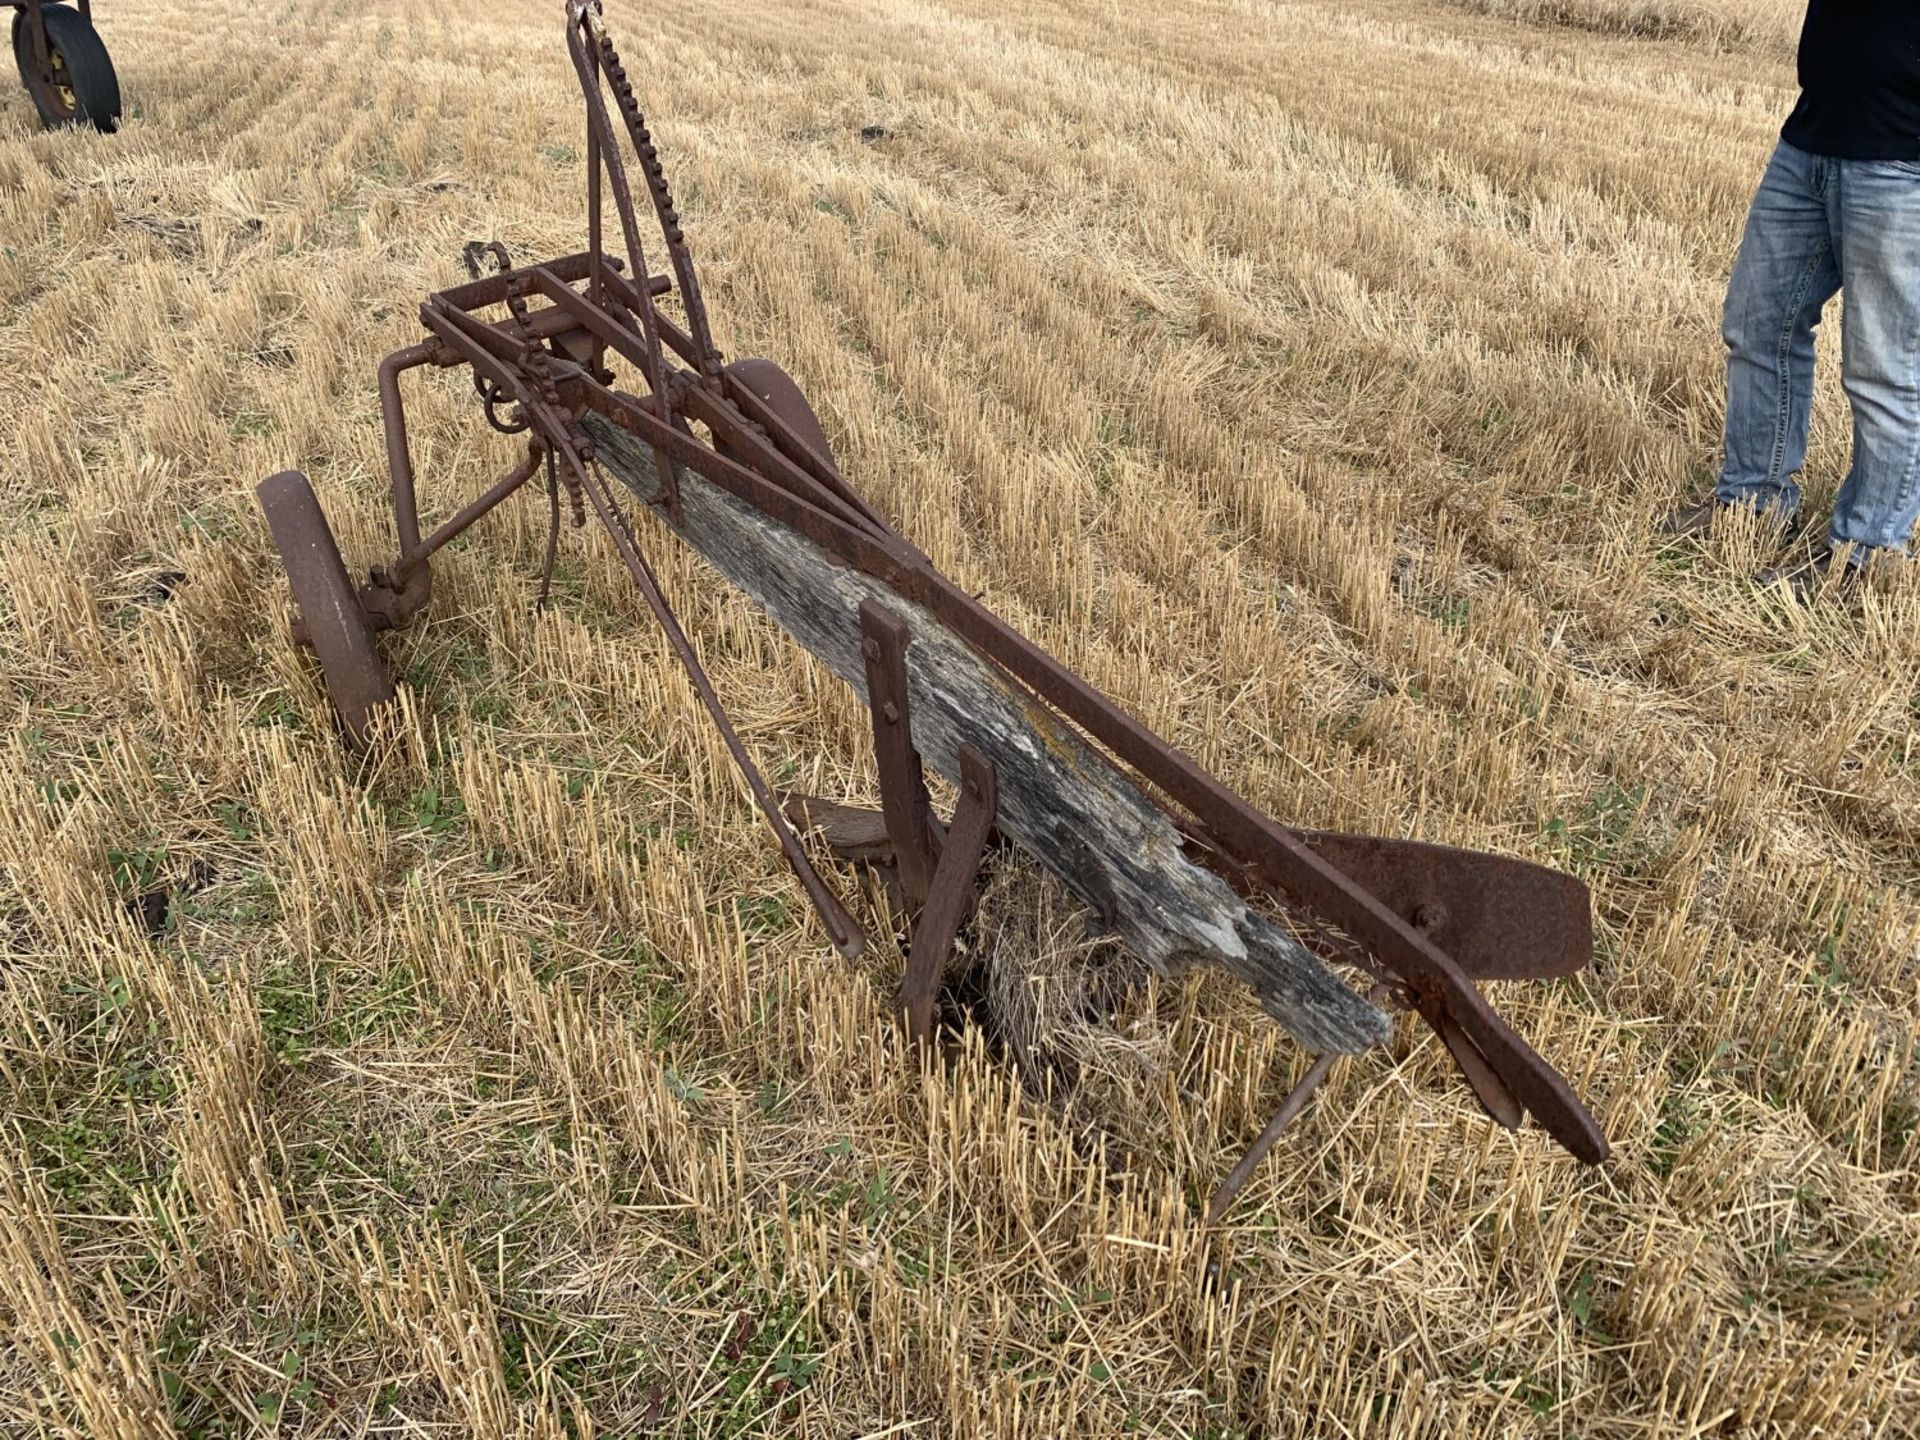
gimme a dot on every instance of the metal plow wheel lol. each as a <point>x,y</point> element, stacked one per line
<point>330,617</point>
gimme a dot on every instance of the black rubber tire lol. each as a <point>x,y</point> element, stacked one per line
<point>336,626</point>
<point>785,399</point>
<point>87,67</point>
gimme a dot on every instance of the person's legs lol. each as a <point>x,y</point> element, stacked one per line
<point>1786,272</point>
<point>1876,208</point>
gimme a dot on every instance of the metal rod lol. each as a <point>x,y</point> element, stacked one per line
<point>582,18</point>
<point>706,359</point>
<point>406,513</point>
<point>596,262</point>
<point>653,367</point>
<point>511,481</point>
<point>1288,1112</point>
<point>842,928</point>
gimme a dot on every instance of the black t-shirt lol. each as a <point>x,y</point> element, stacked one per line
<point>1859,81</point>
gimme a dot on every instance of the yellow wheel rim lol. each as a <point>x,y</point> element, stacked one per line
<point>62,91</point>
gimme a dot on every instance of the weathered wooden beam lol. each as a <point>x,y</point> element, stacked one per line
<point>1058,799</point>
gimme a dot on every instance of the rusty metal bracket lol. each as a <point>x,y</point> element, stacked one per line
<point>952,892</point>
<point>937,867</point>
<point>903,786</point>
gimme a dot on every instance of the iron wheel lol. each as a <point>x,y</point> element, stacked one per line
<point>329,607</point>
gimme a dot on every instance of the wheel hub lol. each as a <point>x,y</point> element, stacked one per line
<point>57,81</point>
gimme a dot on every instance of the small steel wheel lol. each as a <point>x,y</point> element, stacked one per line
<point>77,86</point>
<point>330,613</point>
<point>784,398</point>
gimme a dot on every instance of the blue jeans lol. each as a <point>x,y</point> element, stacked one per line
<point>1818,226</point>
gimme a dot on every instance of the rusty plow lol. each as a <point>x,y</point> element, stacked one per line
<point>602,362</point>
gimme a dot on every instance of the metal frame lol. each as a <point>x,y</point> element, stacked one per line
<point>543,365</point>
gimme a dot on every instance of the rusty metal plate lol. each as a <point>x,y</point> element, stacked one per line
<point>1497,917</point>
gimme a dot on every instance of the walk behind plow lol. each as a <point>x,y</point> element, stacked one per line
<point>732,459</point>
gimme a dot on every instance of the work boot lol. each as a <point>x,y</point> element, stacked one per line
<point>1807,575</point>
<point>1691,520</point>
<point>1696,521</point>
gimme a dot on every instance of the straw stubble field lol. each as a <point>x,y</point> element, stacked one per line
<point>1308,375</point>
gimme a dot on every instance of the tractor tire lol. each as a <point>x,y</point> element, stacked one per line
<point>83,89</point>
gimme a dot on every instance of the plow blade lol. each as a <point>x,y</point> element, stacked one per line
<point>1498,918</point>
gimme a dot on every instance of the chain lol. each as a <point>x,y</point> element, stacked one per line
<point>537,366</point>
<point>553,531</point>
<point>649,155</point>
<point>679,255</point>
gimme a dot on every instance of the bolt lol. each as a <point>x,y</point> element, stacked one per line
<point>890,712</point>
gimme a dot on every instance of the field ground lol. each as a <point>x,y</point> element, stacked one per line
<point>1309,375</point>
